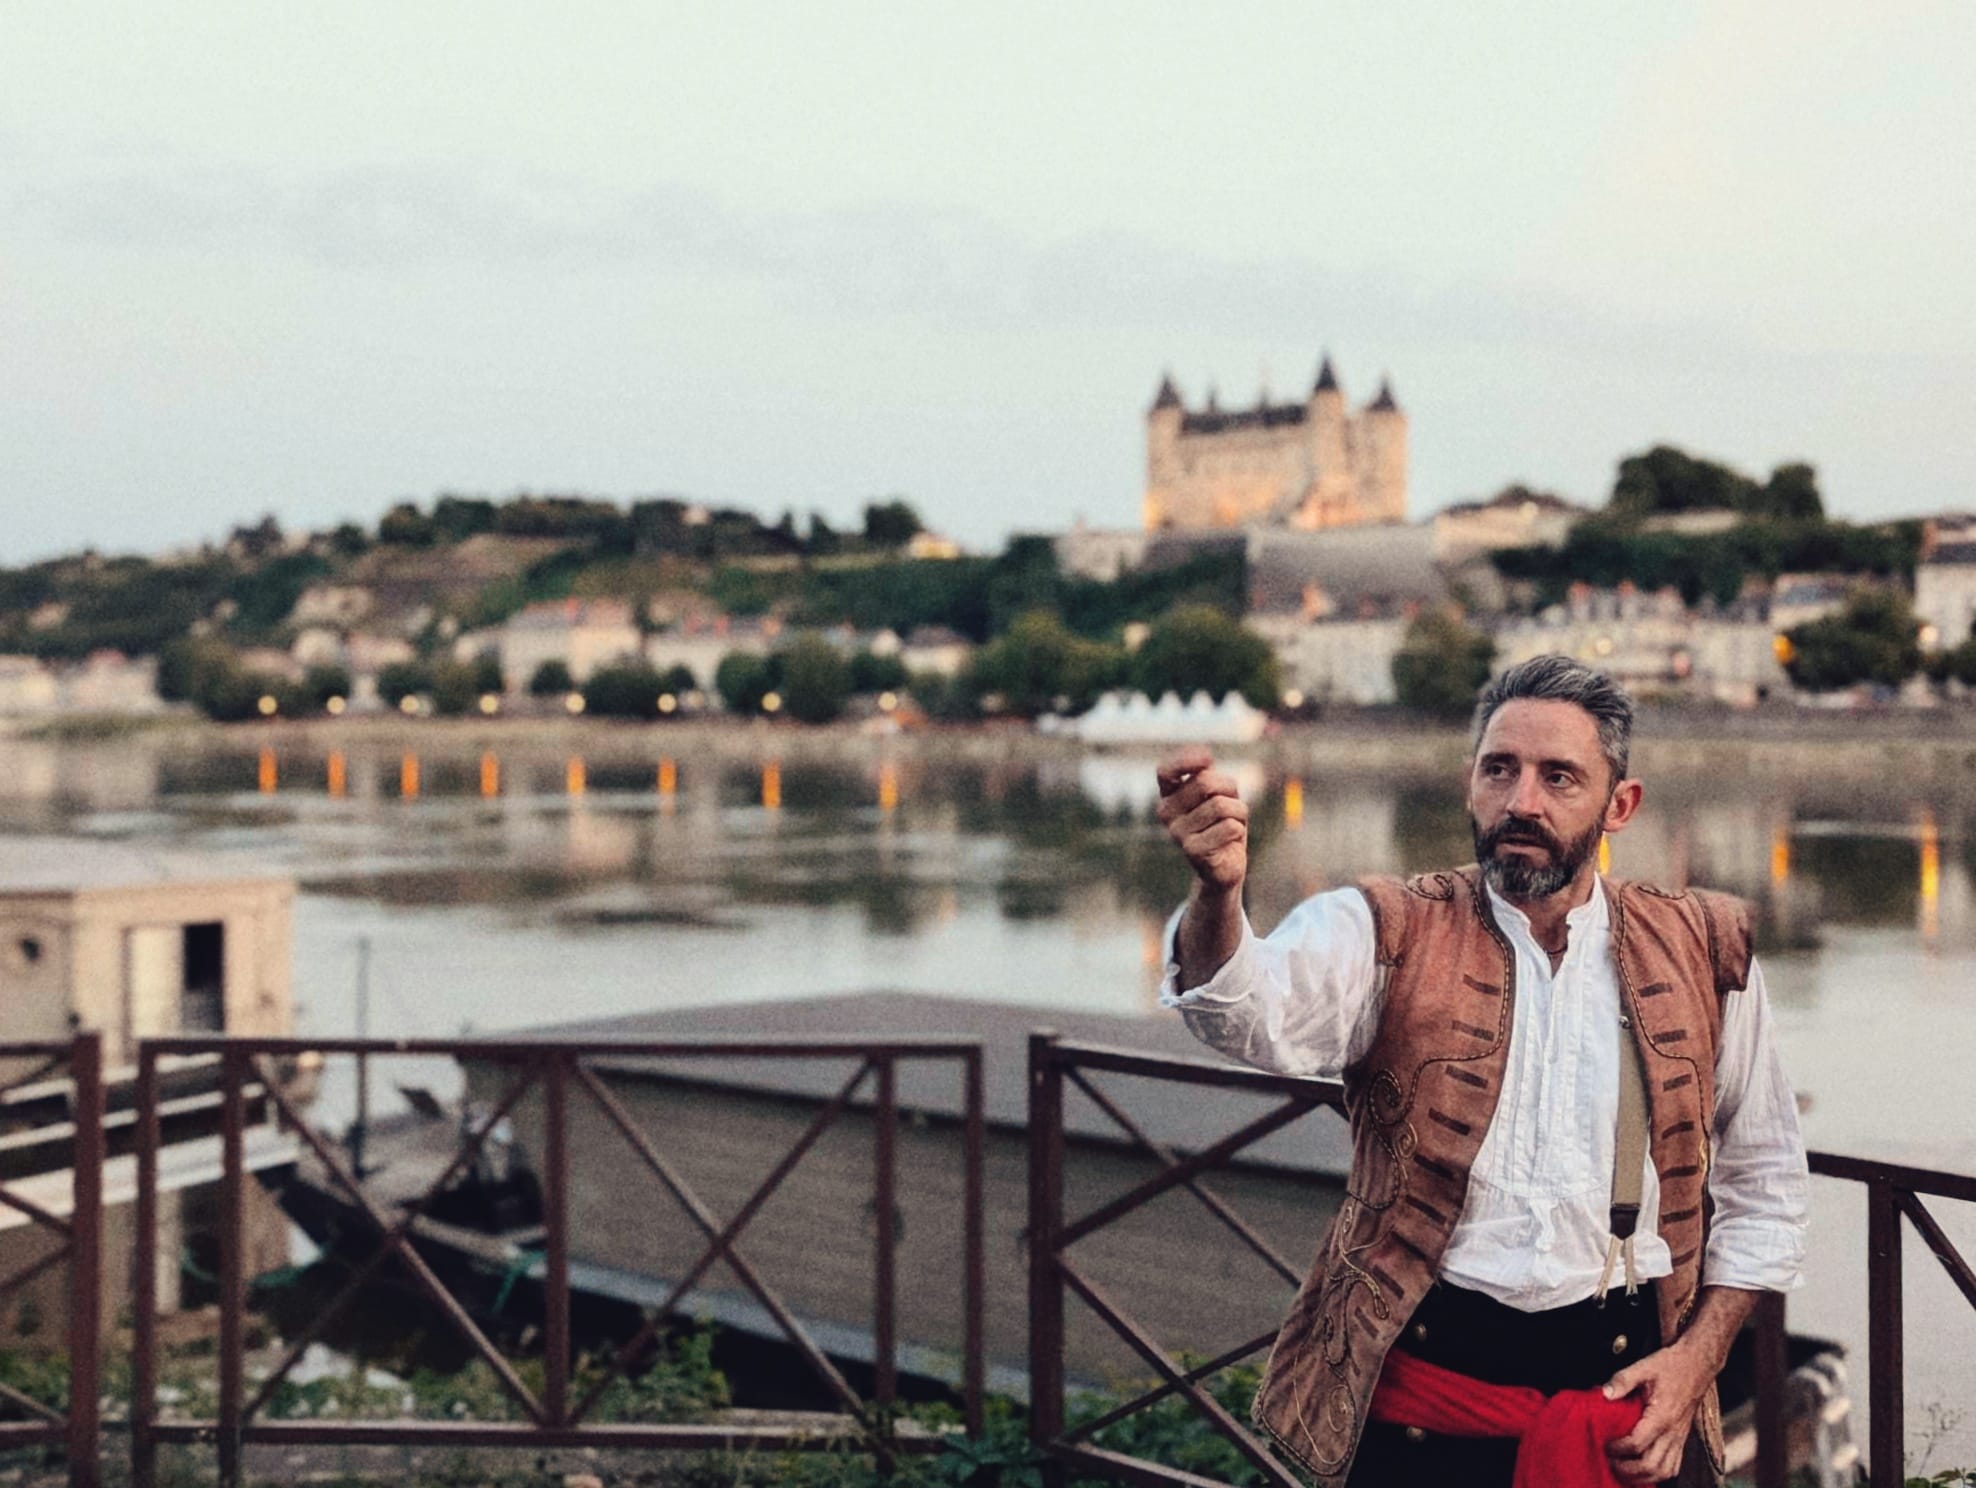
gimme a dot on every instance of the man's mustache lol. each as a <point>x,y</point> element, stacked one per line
<point>1523,832</point>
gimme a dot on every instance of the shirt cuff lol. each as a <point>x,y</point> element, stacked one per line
<point>1230,982</point>
<point>1751,1258</point>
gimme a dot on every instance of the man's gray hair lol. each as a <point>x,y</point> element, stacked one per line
<point>1559,679</point>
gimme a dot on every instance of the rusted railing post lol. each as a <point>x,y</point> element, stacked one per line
<point>86,1260</point>
<point>1772,1367</point>
<point>233,1261</point>
<point>555,1221</point>
<point>144,1288</point>
<point>1886,1392</point>
<point>975,1242</point>
<point>885,1200</point>
<point>1046,1385</point>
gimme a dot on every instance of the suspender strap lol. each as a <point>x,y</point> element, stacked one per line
<point>1629,1157</point>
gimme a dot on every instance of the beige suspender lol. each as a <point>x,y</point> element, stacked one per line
<point>1629,1159</point>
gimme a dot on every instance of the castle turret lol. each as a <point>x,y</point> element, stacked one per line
<point>1383,465</point>
<point>1328,497</point>
<point>1163,422</point>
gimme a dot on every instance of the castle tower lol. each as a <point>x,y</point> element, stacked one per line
<point>1162,454</point>
<point>1328,498</point>
<point>1383,463</point>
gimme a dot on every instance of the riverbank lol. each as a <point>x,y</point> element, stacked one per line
<point>1913,747</point>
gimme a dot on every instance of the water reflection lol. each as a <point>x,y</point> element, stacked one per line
<point>905,841</point>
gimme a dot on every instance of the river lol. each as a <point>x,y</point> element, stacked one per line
<point>509,887</point>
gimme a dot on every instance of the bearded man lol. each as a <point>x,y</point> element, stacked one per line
<point>1576,1158</point>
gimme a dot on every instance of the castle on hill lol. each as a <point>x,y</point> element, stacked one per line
<point>1307,465</point>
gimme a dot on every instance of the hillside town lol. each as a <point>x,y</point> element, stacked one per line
<point>1275,557</point>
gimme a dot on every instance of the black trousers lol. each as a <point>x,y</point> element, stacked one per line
<point>1578,1347</point>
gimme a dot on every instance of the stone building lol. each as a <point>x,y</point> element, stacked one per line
<point>582,634</point>
<point>1945,581</point>
<point>1310,464</point>
<point>1515,518</point>
<point>135,944</point>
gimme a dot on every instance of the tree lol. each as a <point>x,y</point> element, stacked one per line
<point>348,540</point>
<point>1874,639</point>
<point>551,679</point>
<point>1038,666</point>
<point>1441,664</point>
<point>188,666</point>
<point>402,679</point>
<point>487,675</point>
<point>1198,648</point>
<point>456,688</point>
<point>824,540</point>
<point>1666,480</point>
<point>626,689</point>
<point>743,679</point>
<point>406,526</point>
<point>871,672</point>
<point>678,678</point>
<point>816,680</point>
<point>891,524</point>
<point>459,517</point>
<point>1791,494</point>
<point>321,683</point>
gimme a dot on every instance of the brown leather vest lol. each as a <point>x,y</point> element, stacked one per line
<point>1422,1098</point>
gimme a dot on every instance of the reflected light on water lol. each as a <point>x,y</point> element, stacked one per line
<point>574,782</point>
<point>888,787</point>
<point>269,776</point>
<point>1780,854</point>
<point>490,776</point>
<point>337,775</point>
<point>408,777</point>
<point>1293,803</point>
<point>668,783</point>
<point>1931,876</point>
<point>772,785</point>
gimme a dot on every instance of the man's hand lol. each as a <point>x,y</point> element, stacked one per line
<point>1203,812</point>
<point>1671,1383</point>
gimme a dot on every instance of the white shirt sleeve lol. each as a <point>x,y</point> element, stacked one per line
<point>1304,1001</point>
<point>1759,1179</point>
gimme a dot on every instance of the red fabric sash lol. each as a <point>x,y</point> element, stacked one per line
<point>1563,1437</point>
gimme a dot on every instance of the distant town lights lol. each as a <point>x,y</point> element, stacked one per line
<point>335,706</point>
<point>490,703</point>
<point>408,705</point>
<point>668,703</point>
<point>888,702</point>
<point>772,702</point>
<point>1293,699</point>
<point>574,702</point>
<point>267,705</point>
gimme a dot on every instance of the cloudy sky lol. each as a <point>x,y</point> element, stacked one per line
<point>254,258</point>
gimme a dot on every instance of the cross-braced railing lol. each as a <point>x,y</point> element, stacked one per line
<point>1055,1066</point>
<point>1893,1193</point>
<point>70,1075</point>
<point>562,1413</point>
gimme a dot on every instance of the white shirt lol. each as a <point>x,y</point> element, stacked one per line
<point>1533,1230</point>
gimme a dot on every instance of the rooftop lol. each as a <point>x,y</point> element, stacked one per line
<point>1184,1116</point>
<point>67,865</point>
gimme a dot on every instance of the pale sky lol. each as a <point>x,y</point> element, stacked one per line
<point>260,257</point>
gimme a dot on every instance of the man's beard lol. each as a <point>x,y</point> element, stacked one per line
<point>1526,878</point>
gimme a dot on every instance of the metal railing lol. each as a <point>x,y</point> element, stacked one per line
<point>561,1414</point>
<point>65,1078</point>
<point>1054,1067</point>
<point>1893,1193</point>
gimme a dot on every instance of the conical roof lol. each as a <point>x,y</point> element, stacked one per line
<point>1327,380</point>
<point>1168,395</point>
<point>1385,402</point>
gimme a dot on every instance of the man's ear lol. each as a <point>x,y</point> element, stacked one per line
<point>1623,804</point>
